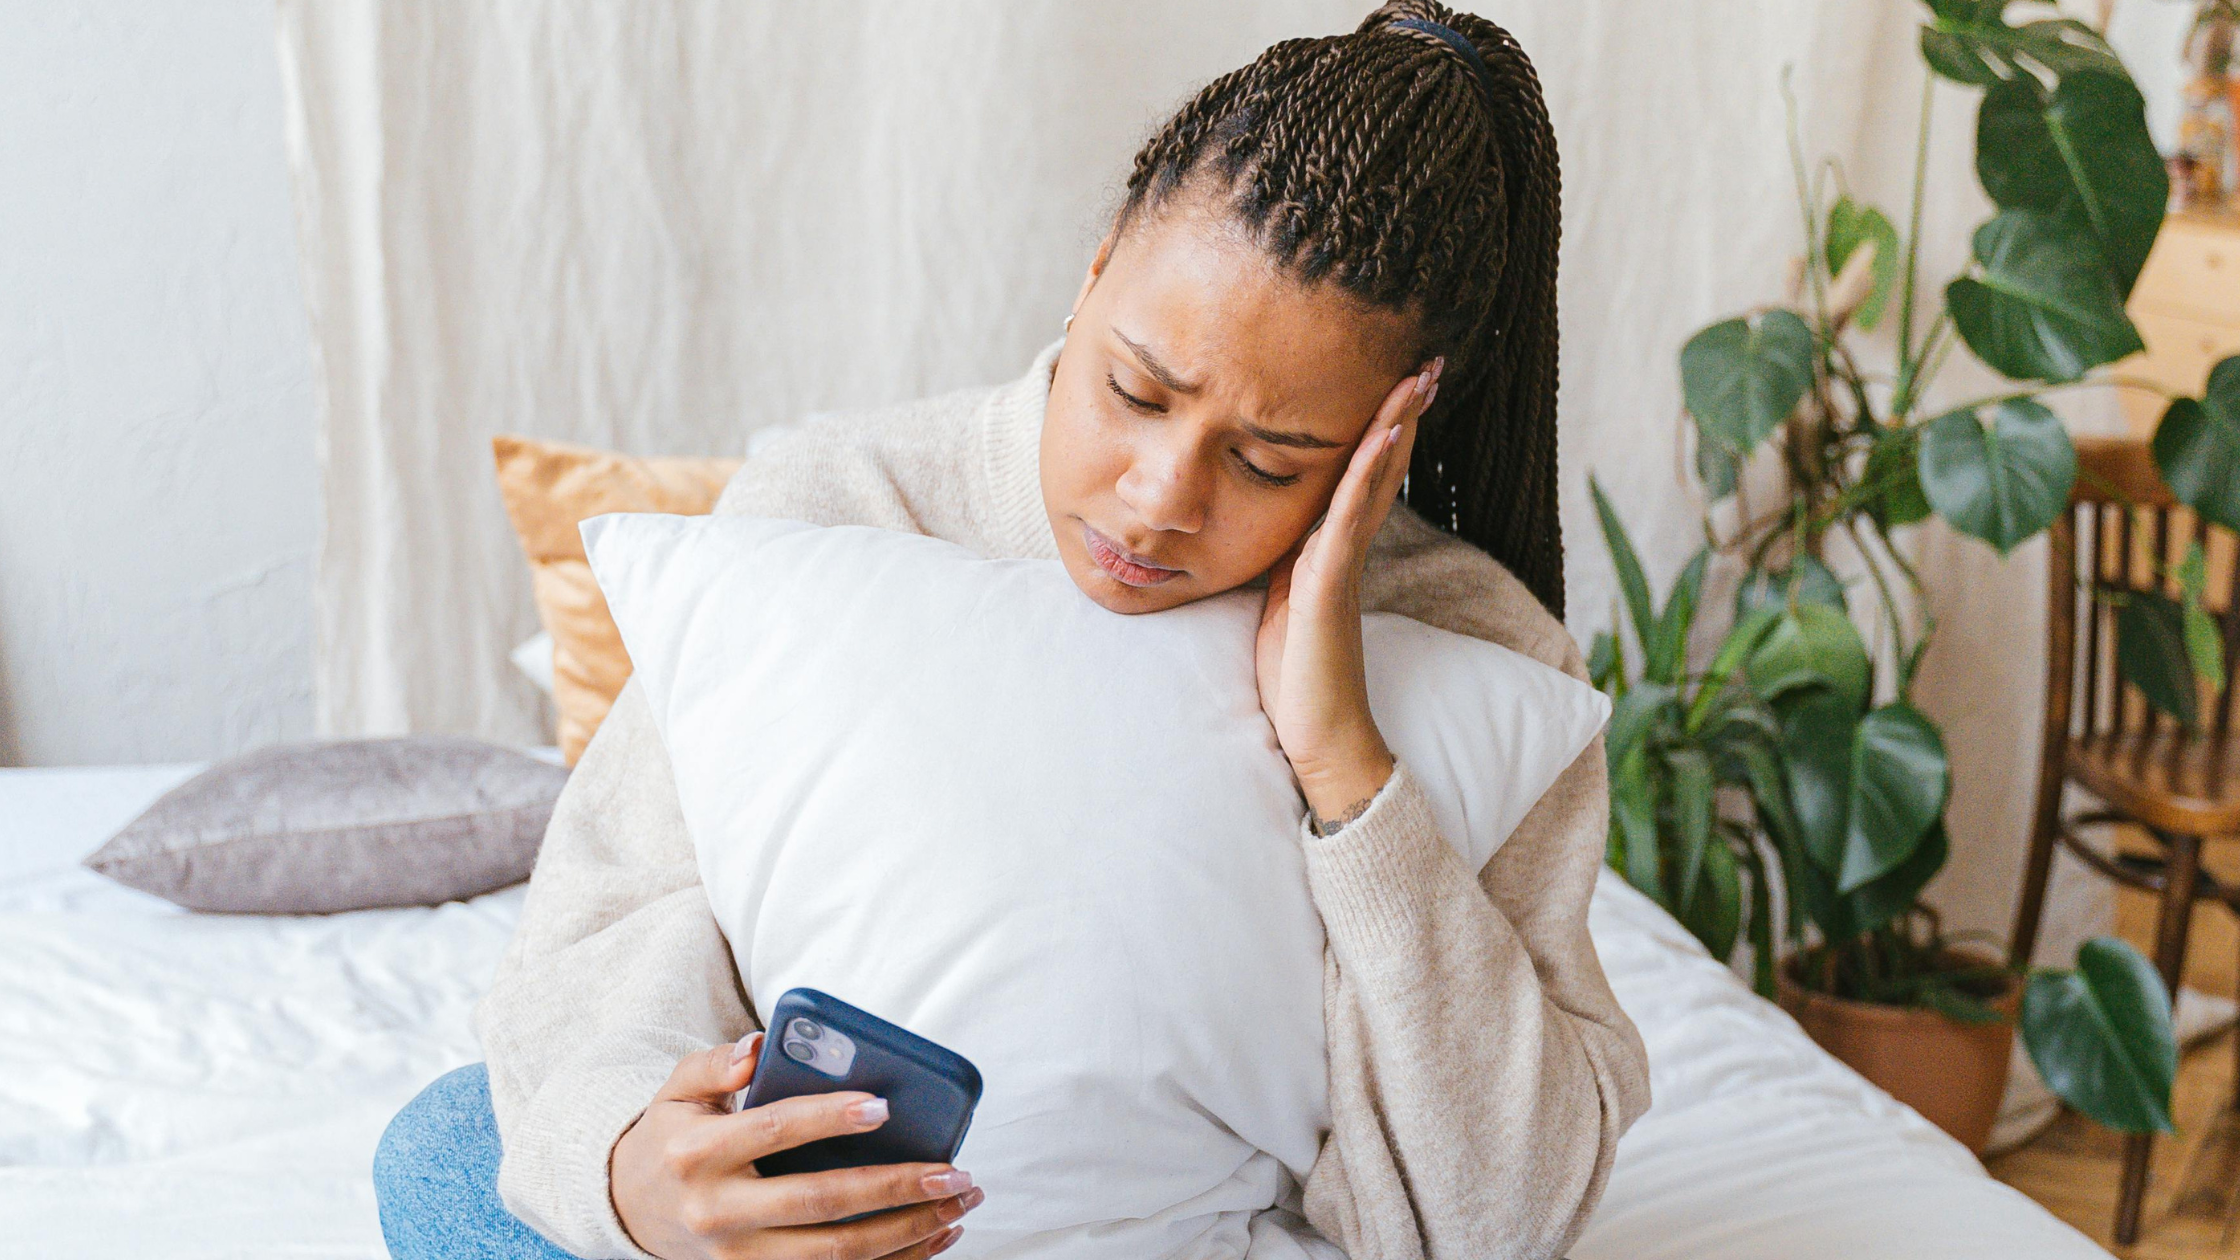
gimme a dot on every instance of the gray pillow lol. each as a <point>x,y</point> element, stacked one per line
<point>347,825</point>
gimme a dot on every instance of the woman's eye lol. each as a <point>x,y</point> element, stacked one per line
<point>1144,405</point>
<point>1263,476</point>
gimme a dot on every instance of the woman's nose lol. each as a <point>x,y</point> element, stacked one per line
<point>1165,487</point>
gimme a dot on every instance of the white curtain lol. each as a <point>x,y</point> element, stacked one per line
<point>658,226</point>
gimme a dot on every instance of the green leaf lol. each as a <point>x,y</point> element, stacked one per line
<point>1713,913</point>
<point>1717,466</point>
<point>1812,645</point>
<point>1633,812</point>
<point>1816,769</point>
<point>1761,928</point>
<point>1768,793</point>
<point>1749,630</point>
<point>1978,48</point>
<point>1956,58</point>
<point>2151,652</point>
<point>1804,581</point>
<point>1631,583</point>
<point>1851,226</point>
<point>1876,903</point>
<point>2101,1036</point>
<point>2197,447</point>
<point>2002,483</point>
<point>1635,716</point>
<point>2204,645</point>
<point>1694,789</point>
<point>1604,666</point>
<point>1666,652</point>
<point>2045,306</point>
<point>1899,780</point>
<point>1894,464</point>
<point>2081,154</point>
<point>1742,377</point>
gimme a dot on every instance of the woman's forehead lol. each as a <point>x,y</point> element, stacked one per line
<point>1201,298</point>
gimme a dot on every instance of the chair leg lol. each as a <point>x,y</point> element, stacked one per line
<point>2036,870</point>
<point>2182,876</point>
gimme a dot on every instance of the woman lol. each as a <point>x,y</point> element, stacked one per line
<point>1331,287</point>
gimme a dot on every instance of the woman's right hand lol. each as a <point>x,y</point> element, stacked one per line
<point>685,1187</point>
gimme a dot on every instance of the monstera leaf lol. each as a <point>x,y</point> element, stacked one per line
<point>2044,305</point>
<point>2101,1036</point>
<point>2197,447</point>
<point>2080,153</point>
<point>1893,464</point>
<point>1970,42</point>
<point>1742,377</point>
<point>2001,482</point>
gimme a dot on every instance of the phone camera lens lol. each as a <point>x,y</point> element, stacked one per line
<point>800,1051</point>
<point>805,1029</point>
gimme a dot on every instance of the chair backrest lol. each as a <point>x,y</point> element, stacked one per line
<point>2121,519</point>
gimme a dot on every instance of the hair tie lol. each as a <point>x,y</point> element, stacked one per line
<point>1460,43</point>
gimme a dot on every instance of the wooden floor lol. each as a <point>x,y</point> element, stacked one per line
<point>2072,1168</point>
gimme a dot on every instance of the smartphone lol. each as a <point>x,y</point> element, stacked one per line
<point>818,1044</point>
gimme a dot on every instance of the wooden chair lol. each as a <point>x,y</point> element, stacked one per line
<point>2181,787</point>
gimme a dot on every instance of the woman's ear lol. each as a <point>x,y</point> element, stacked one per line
<point>1096,268</point>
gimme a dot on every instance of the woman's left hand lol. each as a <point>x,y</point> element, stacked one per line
<point>1313,685</point>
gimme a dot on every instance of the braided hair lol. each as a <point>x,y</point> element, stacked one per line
<point>1419,178</point>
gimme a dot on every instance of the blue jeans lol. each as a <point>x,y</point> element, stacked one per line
<point>435,1175</point>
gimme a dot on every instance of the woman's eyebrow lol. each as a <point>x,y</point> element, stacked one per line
<point>1280,437</point>
<point>1159,372</point>
<point>1166,376</point>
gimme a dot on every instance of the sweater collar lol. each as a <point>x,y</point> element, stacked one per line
<point>1018,525</point>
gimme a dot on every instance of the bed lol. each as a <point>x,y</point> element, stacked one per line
<point>184,1085</point>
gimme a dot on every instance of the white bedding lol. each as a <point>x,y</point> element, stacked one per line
<point>183,1085</point>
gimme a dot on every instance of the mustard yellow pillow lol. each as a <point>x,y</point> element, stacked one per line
<point>548,488</point>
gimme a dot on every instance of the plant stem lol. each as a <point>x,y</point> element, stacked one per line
<point>2118,382</point>
<point>1913,227</point>
<point>1915,380</point>
<point>1898,647</point>
<point>1808,205</point>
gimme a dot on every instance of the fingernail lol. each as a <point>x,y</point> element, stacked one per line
<point>973,1198</point>
<point>1392,437</point>
<point>744,1047</point>
<point>948,1210</point>
<point>869,1111</point>
<point>948,1240</point>
<point>1431,397</point>
<point>1438,365</point>
<point>954,1181</point>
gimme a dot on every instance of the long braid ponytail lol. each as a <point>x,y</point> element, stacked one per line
<point>1391,162</point>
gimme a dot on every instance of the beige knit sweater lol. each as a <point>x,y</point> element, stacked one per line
<point>1481,1072</point>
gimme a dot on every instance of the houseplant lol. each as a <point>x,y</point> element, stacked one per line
<point>1840,775</point>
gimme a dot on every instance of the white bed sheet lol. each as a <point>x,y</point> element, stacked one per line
<point>187,1085</point>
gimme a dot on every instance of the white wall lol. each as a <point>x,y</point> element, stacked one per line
<point>158,482</point>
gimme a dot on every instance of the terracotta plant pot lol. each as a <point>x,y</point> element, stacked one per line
<point>1952,1073</point>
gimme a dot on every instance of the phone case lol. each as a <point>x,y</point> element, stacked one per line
<point>930,1089</point>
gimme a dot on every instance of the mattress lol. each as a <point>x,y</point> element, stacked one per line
<point>190,1085</point>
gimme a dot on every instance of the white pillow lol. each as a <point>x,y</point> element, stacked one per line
<point>1059,840</point>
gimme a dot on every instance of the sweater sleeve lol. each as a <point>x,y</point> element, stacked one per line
<point>616,971</point>
<point>1481,1070</point>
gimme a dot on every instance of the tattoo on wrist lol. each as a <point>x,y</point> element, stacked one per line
<point>1332,826</point>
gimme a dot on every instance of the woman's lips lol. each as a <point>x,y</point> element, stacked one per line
<point>1121,564</point>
